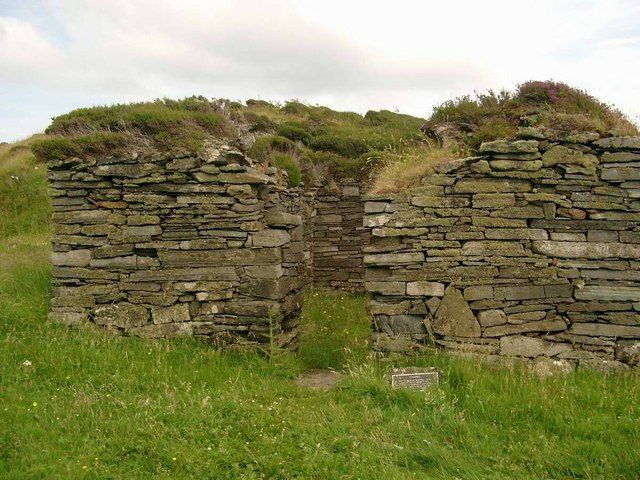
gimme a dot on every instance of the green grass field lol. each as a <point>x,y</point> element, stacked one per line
<point>84,404</point>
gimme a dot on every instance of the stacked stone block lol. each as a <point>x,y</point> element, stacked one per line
<point>530,249</point>
<point>206,244</point>
<point>338,236</point>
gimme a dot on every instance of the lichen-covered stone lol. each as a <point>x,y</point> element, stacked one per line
<point>454,317</point>
<point>73,258</point>
<point>522,346</point>
<point>270,238</point>
<point>124,315</point>
<point>504,146</point>
<point>173,314</point>
<point>491,318</point>
<point>425,289</point>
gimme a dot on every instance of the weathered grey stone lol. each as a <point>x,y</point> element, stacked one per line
<point>604,292</point>
<point>166,330</point>
<point>628,352</point>
<point>236,256</point>
<point>141,232</point>
<point>123,315</point>
<point>547,325</point>
<point>618,157</point>
<point>493,200</point>
<point>521,346</point>
<point>504,146</point>
<point>568,237</point>
<point>481,166</point>
<point>605,330</point>
<point>521,166</point>
<point>563,155</point>
<point>592,250</point>
<point>610,143</point>
<point>398,232</point>
<point>73,258</point>
<point>452,165</point>
<point>383,342</point>
<point>491,185</point>
<point>380,308</point>
<point>491,318</point>
<point>254,308</point>
<point>454,317</point>
<point>393,258</point>
<point>426,289</point>
<point>173,314</point>
<point>136,170</point>
<point>478,292</point>
<point>270,238</point>
<point>126,262</point>
<point>621,173</point>
<point>516,234</point>
<point>524,317</point>
<point>519,292</point>
<point>400,324</point>
<point>374,207</point>
<point>182,164</point>
<point>386,288</point>
<point>439,202</point>
<point>527,211</point>
<point>604,365</point>
<point>137,220</point>
<point>84,217</point>
<point>482,248</point>
<point>560,200</point>
<point>264,271</point>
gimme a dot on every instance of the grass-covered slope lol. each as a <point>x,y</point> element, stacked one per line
<point>84,404</point>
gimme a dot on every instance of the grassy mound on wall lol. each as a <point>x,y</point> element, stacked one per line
<point>315,139</point>
<point>547,105</point>
<point>315,143</point>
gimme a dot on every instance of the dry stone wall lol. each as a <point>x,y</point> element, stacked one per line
<point>530,249</point>
<point>338,236</point>
<point>209,245</point>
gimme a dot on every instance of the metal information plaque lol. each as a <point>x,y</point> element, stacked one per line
<point>413,378</point>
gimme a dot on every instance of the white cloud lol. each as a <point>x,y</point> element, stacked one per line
<point>356,54</point>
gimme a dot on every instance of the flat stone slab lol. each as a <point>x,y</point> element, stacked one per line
<point>319,379</point>
<point>413,378</point>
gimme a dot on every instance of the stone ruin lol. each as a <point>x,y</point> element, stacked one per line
<point>531,249</point>
<point>208,244</point>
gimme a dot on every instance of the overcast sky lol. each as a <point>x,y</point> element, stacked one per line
<point>57,55</point>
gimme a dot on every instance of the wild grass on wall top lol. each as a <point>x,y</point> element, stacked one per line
<point>392,151</point>
<point>548,105</point>
<point>313,138</point>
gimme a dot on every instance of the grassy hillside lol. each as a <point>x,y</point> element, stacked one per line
<point>84,404</point>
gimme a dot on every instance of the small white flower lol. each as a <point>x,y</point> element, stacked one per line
<point>27,363</point>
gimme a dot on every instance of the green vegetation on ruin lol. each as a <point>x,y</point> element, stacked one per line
<point>80,403</point>
<point>546,105</point>
<point>314,143</point>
